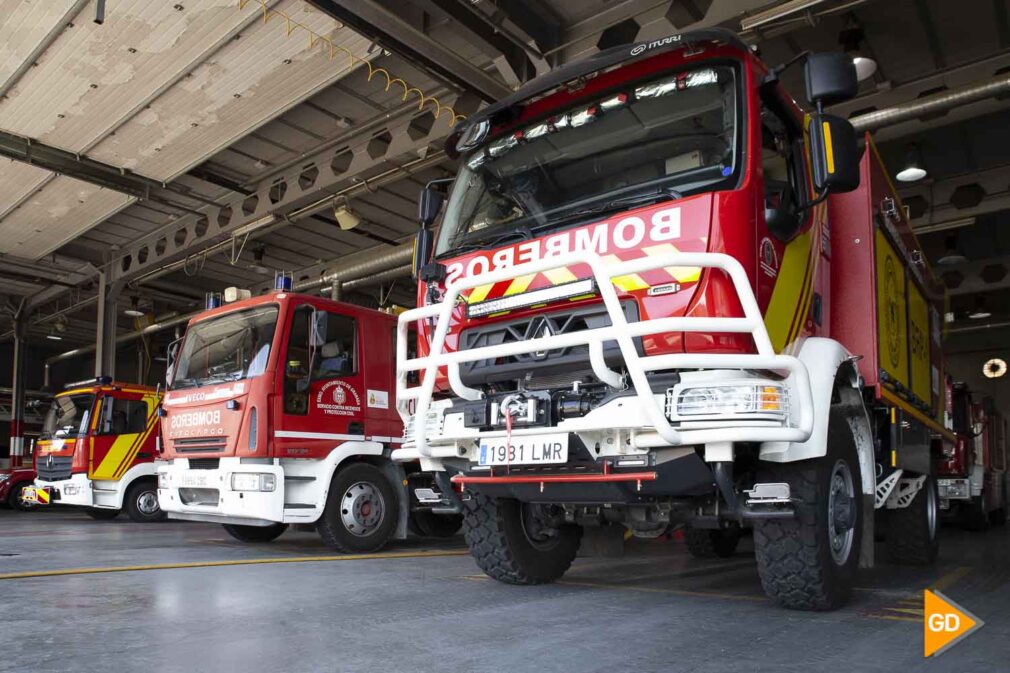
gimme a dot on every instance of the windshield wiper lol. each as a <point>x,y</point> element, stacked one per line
<point>640,199</point>
<point>520,234</point>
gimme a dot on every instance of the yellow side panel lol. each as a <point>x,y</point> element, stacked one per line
<point>892,332</point>
<point>918,343</point>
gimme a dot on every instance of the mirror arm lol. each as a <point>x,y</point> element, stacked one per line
<point>802,208</point>
<point>773,74</point>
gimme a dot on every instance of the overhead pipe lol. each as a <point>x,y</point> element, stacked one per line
<point>366,265</point>
<point>938,103</point>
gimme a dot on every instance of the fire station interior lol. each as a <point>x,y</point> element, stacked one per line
<point>162,158</point>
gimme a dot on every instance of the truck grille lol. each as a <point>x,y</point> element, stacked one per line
<point>204,463</point>
<point>54,468</point>
<point>569,363</point>
<point>201,444</point>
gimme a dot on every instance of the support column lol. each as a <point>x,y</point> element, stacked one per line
<point>18,391</point>
<point>105,330</point>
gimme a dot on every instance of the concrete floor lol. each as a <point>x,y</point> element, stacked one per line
<point>426,608</point>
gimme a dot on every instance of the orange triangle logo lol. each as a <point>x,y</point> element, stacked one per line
<point>946,623</point>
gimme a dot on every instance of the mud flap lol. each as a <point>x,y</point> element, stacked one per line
<point>602,541</point>
<point>866,558</point>
<point>398,478</point>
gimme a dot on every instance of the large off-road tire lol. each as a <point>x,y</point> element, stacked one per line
<point>913,531</point>
<point>973,515</point>
<point>809,562</point>
<point>425,523</point>
<point>498,532</point>
<point>14,500</point>
<point>361,510</point>
<point>100,514</point>
<point>141,502</point>
<point>255,533</point>
<point>712,543</point>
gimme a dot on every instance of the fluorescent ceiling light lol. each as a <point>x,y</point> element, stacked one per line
<point>865,67</point>
<point>914,168</point>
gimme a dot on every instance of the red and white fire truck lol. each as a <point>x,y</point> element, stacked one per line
<point>280,411</point>
<point>661,293</point>
<point>972,473</point>
<point>97,450</point>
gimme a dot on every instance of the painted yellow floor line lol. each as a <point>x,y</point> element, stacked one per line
<point>236,562</point>
<point>951,578</point>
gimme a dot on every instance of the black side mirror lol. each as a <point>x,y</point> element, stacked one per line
<point>429,206</point>
<point>834,154</point>
<point>424,246</point>
<point>831,78</point>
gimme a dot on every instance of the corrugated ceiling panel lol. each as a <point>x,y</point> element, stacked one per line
<point>244,85</point>
<point>61,211</point>
<point>18,180</point>
<point>24,26</point>
<point>89,80</point>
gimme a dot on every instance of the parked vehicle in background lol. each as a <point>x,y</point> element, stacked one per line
<point>279,411</point>
<point>97,450</point>
<point>661,293</point>
<point>13,482</point>
<point>972,473</point>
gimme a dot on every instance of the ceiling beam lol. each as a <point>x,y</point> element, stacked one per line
<point>536,19</point>
<point>389,30</point>
<point>937,195</point>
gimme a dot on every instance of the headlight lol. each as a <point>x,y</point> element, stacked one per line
<point>251,481</point>
<point>70,489</point>
<point>162,480</point>
<point>760,399</point>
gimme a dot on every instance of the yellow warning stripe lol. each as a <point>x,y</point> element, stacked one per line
<point>135,449</point>
<point>790,290</point>
<point>236,562</point>
<point>479,293</point>
<point>125,447</point>
<point>519,284</point>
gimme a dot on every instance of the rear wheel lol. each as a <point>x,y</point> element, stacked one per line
<point>913,531</point>
<point>712,543</point>
<point>102,514</point>
<point>14,498</point>
<point>973,514</point>
<point>141,503</point>
<point>361,510</point>
<point>255,533</point>
<point>518,543</point>
<point>809,562</point>
<point>426,523</point>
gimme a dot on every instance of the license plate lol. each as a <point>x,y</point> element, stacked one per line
<point>525,450</point>
<point>189,480</point>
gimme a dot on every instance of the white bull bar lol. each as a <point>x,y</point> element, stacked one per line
<point>620,331</point>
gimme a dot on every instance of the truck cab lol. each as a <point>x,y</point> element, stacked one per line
<point>97,450</point>
<point>280,411</point>
<point>630,318</point>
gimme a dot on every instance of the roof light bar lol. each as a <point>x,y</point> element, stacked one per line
<point>546,295</point>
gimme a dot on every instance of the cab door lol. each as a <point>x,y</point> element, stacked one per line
<point>320,403</point>
<point>123,425</point>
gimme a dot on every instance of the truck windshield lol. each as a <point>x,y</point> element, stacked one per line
<point>227,348</point>
<point>68,416</point>
<point>647,141</point>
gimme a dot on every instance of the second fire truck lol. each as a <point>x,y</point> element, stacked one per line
<point>279,412</point>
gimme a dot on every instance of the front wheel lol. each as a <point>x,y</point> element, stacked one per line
<point>141,503</point>
<point>712,543</point>
<point>16,500</point>
<point>809,562</point>
<point>361,510</point>
<point>518,543</point>
<point>255,533</point>
<point>912,531</point>
<point>425,523</point>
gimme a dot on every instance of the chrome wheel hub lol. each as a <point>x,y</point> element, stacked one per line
<point>147,503</point>
<point>362,509</point>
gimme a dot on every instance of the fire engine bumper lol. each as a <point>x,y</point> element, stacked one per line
<point>74,491</point>
<point>718,399</point>
<point>234,492</point>
<point>953,489</point>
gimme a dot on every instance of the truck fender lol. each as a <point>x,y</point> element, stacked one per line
<point>347,452</point>
<point>136,472</point>
<point>827,361</point>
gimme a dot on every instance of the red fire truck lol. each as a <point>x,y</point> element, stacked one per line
<point>661,293</point>
<point>13,482</point>
<point>279,411</point>
<point>97,450</point>
<point>973,479</point>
